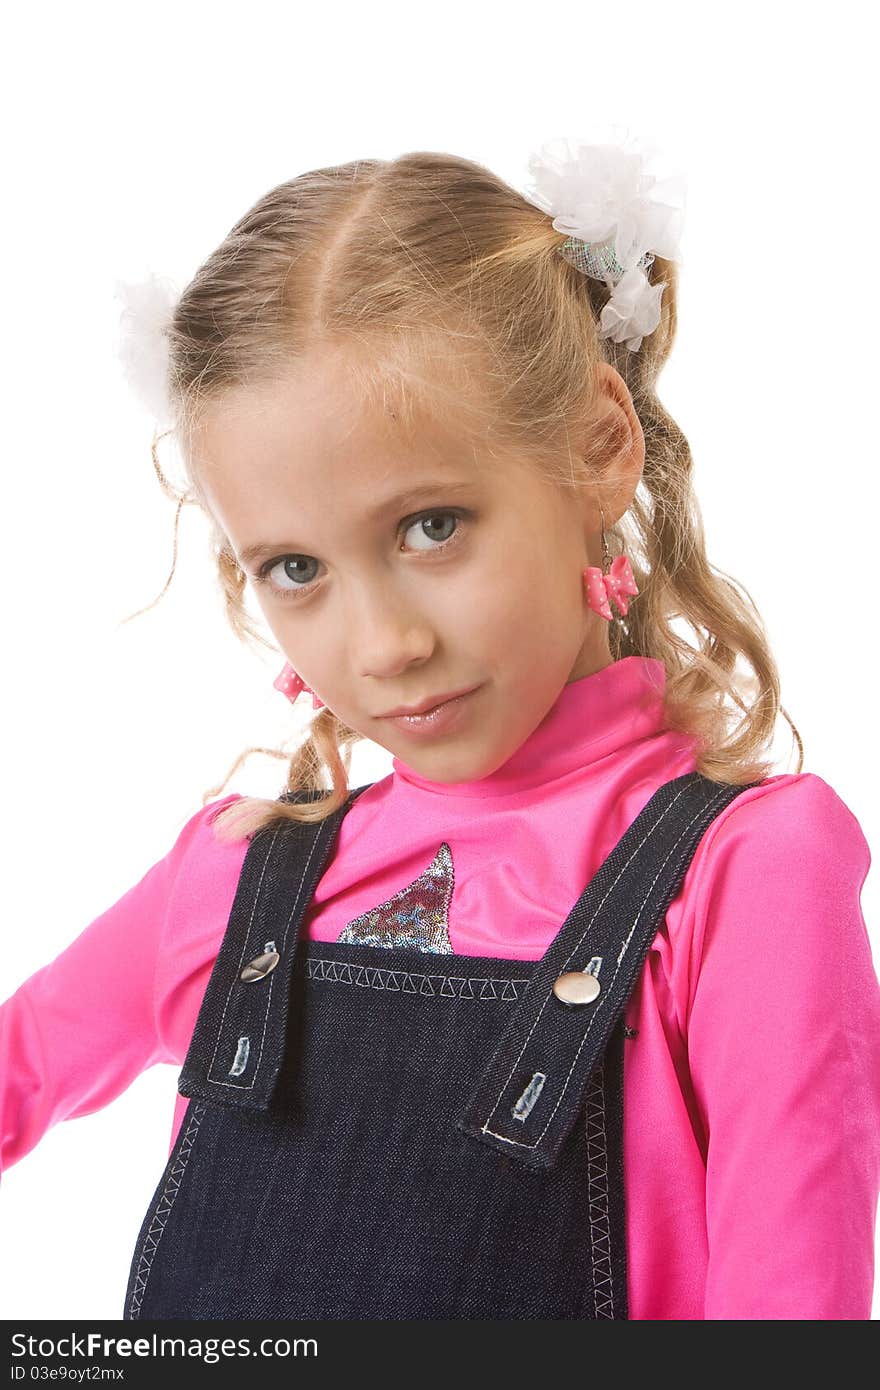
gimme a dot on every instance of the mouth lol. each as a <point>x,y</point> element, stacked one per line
<point>427,706</point>
<point>438,718</point>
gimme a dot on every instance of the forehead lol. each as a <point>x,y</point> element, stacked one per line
<point>315,432</point>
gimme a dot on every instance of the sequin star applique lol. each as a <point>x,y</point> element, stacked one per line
<point>416,916</point>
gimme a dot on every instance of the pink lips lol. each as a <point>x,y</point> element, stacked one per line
<point>427,705</point>
<point>438,720</point>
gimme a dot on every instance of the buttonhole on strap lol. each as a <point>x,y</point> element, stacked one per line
<point>521,1110</point>
<point>241,1056</point>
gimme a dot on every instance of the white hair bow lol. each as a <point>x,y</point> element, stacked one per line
<point>142,346</point>
<point>604,198</point>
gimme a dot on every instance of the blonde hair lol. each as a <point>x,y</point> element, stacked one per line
<point>385,263</point>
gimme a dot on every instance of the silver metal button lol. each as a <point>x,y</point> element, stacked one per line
<point>576,987</point>
<point>260,965</point>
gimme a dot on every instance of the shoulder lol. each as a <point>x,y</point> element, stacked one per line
<point>781,869</point>
<point>773,887</point>
<point>199,863</point>
<point>200,877</point>
<point>793,823</point>
<point>199,834</point>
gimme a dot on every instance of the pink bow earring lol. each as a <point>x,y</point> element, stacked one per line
<point>604,584</point>
<point>292,685</point>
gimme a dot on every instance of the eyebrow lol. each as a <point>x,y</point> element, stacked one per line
<point>400,499</point>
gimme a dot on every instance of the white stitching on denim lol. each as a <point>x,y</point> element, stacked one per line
<point>161,1214</point>
<point>241,1056</point>
<point>598,1196</point>
<point>215,1081</point>
<point>518,1142</point>
<point>379,977</point>
<point>254,904</point>
<point>536,1020</point>
<point>529,1096</point>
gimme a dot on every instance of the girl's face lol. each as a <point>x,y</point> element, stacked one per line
<point>394,574</point>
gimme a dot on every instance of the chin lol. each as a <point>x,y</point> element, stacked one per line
<point>462,768</point>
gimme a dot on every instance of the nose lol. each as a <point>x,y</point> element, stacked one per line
<point>388,634</point>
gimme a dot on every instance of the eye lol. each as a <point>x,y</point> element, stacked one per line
<point>300,569</point>
<point>292,567</point>
<point>432,522</point>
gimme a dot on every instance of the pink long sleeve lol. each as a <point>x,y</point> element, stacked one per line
<point>784,1054</point>
<point>76,1033</point>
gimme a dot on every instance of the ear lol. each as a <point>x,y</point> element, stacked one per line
<point>621,460</point>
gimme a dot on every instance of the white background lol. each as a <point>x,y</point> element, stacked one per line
<point>135,136</point>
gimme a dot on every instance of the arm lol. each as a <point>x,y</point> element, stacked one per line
<point>784,1049</point>
<point>77,1032</point>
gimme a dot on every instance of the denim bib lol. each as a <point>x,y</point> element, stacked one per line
<point>378,1132</point>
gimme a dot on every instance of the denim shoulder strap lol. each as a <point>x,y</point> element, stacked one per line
<point>534,1086</point>
<point>237,1047</point>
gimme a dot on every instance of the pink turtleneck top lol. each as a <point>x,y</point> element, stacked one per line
<point>752,1081</point>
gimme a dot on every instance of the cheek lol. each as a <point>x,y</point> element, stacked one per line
<point>523,590</point>
<point>268,610</point>
<point>275,613</point>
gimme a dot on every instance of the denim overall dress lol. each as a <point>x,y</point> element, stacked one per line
<point>392,1132</point>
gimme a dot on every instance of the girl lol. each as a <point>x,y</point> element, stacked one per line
<point>573,1014</point>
